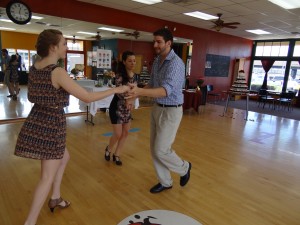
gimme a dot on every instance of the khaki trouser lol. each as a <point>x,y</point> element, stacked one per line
<point>164,125</point>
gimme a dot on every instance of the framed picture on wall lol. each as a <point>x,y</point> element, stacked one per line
<point>104,59</point>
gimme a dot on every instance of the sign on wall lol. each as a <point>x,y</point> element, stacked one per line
<point>104,59</point>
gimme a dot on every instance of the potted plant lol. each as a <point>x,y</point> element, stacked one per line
<point>199,82</point>
<point>75,72</point>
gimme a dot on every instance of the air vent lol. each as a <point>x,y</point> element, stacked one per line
<point>47,24</point>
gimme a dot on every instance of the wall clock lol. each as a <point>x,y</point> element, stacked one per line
<point>18,12</point>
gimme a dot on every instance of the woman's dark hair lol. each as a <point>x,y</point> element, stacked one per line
<point>122,69</point>
<point>13,58</point>
<point>47,38</point>
<point>165,33</point>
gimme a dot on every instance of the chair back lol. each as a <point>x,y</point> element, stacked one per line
<point>287,95</point>
<point>210,87</point>
<point>262,92</point>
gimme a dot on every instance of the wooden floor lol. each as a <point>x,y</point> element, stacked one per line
<point>244,172</point>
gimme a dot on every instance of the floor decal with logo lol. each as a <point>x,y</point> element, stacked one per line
<point>158,217</point>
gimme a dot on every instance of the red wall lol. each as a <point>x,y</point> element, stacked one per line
<point>204,41</point>
<point>139,48</point>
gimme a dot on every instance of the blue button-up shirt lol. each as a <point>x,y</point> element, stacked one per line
<point>171,76</point>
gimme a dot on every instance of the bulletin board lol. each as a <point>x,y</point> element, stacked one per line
<point>103,59</point>
<point>217,65</point>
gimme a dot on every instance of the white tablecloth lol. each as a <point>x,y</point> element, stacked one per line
<point>103,103</point>
<point>85,82</point>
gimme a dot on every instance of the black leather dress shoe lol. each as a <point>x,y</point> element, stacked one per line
<point>185,178</point>
<point>158,188</point>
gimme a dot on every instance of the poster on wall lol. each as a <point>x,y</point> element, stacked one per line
<point>104,59</point>
<point>217,65</point>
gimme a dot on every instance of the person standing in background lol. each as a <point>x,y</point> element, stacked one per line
<point>12,69</point>
<point>19,59</point>
<point>120,109</point>
<point>5,63</point>
<point>165,85</point>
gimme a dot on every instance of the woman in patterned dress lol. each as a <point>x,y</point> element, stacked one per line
<point>14,76</point>
<point>120,109</point>
<point>43,135</point>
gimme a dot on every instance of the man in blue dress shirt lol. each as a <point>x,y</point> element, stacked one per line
<point>165,85</point>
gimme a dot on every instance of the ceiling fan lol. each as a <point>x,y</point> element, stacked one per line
<point>97,37</point>
<point>219,24</point>
<point>135,34</point>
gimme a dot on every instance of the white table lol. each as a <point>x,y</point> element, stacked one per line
<point>92,108</point>
<point>85,82</point>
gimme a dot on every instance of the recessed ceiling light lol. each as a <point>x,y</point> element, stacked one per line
<point>258,31</point>
<point>201,15</point>
<point>89,33</point>
<point>6,28</point>
<point>6,20</point>
<point>148,2</point>
<point>287,4</point>
<point>37,17</point>
<point>110,29</point>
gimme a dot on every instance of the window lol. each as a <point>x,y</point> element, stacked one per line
<point>24,59</point>
<point>279,77</point>
<point>297,49</point>
<point>31,54</point>
<point>75,45</point>
<point>279,48</point>
<point>257,77</point>
<point>294,77</point>
<point>73,59</point>
<point>275,76</point>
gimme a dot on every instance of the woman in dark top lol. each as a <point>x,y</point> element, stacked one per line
<point>43,134</point>
<point>120,109</point>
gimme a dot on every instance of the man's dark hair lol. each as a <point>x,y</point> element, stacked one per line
<point>165,33</point>
<point>4,51</point>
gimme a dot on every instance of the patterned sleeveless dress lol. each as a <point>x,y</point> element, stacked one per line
<point>118,111</point>
<point>13,72</point>
<point>43,134</point>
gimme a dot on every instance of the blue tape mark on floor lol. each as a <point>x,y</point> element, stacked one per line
<point>107,134</point>
<point>134,130</point>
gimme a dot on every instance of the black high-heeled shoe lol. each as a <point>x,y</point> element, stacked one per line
<point>117,160</point>
<point>107,154</point>
<point>53,203</point>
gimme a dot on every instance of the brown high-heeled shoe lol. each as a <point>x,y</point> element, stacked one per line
<point>53,203</point>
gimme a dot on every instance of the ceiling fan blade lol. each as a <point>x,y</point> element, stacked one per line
<point>232,27</point>
<point>229,24</point>
<point>126,33</point>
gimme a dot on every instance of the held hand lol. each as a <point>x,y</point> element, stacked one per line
<point>122,89</point>
<point>133,92</point>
